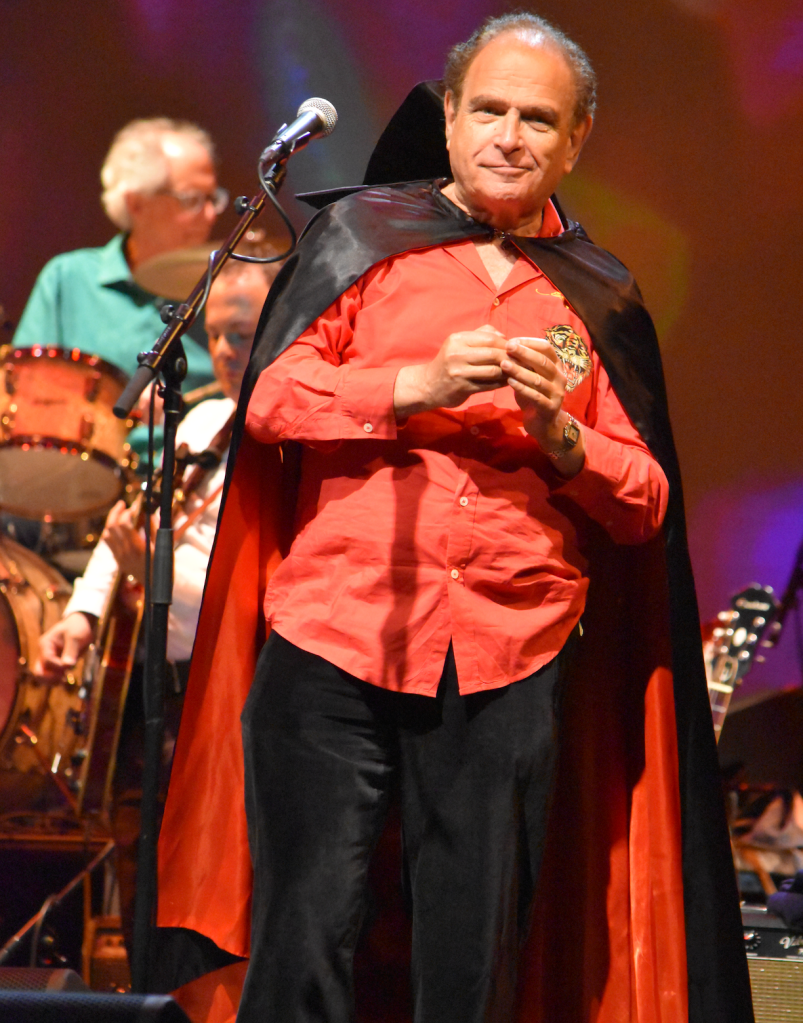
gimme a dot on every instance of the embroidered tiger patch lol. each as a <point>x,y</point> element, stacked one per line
<point>572,352</point>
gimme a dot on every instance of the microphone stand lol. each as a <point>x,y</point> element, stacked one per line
<point>168,359</point>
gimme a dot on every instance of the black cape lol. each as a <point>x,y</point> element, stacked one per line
<point>339,245</point>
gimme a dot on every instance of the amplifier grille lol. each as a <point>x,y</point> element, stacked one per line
<point>777,989</point>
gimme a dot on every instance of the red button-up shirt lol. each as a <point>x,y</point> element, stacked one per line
<point>451,525</point>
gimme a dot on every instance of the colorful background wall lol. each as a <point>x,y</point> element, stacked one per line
<point>692,176</point>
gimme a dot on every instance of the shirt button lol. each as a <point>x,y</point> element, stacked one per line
<point>474,431</point>
<point>496,301</point>
<point>463,502</point>
<point>454,574</point>
<point>368,428</point>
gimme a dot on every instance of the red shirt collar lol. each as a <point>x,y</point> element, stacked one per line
<point>551,224</point>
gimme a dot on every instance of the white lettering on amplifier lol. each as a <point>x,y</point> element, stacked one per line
<point>790,942</point>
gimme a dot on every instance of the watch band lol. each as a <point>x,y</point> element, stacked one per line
<point>571,435</point>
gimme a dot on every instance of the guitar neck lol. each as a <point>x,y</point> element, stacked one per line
<point>730,649</point>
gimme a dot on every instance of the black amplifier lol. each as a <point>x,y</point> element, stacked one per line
<point>775,962</point>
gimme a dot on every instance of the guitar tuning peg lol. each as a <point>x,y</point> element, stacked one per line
<point>760,659</point>
<point>767,643</point>
<point>776,626</point>
<point>724,616</point>
<point>768,589</point>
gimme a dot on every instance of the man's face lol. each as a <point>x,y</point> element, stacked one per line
<point>512,137</point>
<point>232,314</point>
<point>163,221</point>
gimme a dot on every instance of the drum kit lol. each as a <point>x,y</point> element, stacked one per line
<point>64,461</point>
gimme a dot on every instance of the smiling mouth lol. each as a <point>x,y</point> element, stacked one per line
<point>506,169</point>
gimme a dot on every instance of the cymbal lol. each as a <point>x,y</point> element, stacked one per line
<point>174,274</point>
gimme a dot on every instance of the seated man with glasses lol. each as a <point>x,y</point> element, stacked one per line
<point>160,189</point>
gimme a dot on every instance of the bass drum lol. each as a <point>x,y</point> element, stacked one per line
<point>36,716</point>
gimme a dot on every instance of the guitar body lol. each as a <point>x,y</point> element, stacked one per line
<point>88,753</point>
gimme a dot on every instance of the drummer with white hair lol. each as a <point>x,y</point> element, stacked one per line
<point>160,190</point>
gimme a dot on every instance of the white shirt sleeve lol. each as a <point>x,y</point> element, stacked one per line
<point>92,590</point>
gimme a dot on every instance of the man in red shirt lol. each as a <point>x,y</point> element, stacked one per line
<point>455,420</point>
<point>468,476</point>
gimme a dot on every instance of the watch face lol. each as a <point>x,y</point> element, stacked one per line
<point>571,434</point>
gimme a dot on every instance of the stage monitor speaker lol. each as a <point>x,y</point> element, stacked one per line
<point>37,978</point>
<point>775,962</point>
<point>88,1007</point>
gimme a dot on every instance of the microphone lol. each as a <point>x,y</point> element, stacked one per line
<point>315,119</point>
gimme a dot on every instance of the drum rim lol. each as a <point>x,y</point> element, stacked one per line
<point>69,355</point>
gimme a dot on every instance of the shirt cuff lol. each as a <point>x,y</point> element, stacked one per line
<point>621,487</point>
<point>91,590</point>
<point>86,599</point>
<point>366,399</point>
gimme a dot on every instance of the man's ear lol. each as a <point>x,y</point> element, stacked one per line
<point>450,112</point>
<point>578,137</point>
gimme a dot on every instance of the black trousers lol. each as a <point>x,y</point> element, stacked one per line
<point>322,751</point>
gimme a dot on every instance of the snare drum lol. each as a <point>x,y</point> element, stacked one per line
<point>35,715</point>
<point>63,452</point>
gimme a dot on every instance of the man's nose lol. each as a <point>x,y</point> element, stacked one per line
<point>508,136</point>
<point>234,343</point>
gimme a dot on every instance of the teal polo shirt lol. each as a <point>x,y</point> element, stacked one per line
<point>87,299</point>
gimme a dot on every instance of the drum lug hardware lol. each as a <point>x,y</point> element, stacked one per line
<point>26,734</point>
<point>87,427</point>
<point>92,386</point>
<point>74,721</point>
<point>78,757</point>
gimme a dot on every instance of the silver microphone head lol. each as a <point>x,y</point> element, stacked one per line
<point>325,109</point>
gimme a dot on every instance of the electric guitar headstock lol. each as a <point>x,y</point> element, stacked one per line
<point>731,648</point>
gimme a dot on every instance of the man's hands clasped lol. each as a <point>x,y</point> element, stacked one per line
<point>484,360</point>
<point>468,362</point>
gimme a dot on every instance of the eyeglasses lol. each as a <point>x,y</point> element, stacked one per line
<point>194,202</point>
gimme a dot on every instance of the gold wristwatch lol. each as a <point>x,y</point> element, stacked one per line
<point>571,435</point>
